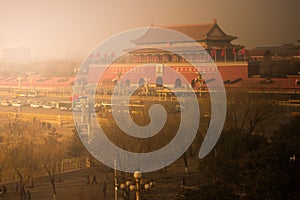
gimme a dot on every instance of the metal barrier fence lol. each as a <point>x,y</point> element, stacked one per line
<point>66,165</point>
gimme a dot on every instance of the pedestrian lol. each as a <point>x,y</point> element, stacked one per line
<point>3,188</point>
<point>1,192</point>
<point>185,164</point>
<point>104,189</point>
<point>87,179</point>
<point>23,194</point>
<point>28,195</point>
<point>16,187</point>
<point>94,181</point>
<point>183,181</point>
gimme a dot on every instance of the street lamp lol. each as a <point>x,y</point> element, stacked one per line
<point>199,81</point>
<point>126,189</point>
<point>147,79</point>
<point>137,185</point>
<point>137,176</point>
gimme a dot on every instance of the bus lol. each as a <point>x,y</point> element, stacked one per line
<point>64,105</point>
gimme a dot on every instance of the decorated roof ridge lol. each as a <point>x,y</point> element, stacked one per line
<point>196,31</point>
<point>182,25</point>
<point>225,34</point>
<point>213,22</point>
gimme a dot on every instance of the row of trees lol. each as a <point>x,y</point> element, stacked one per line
<point>29,151</point>
<point>252,166</point>
<point>26,150</point>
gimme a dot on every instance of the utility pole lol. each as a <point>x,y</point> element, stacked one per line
<point>19,81</point>
<point>116,181</point>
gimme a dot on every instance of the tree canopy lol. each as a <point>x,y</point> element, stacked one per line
<point>253,167</point>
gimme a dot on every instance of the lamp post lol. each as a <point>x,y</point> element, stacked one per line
<point>199,82</point>
<point>136,186</point>
<point>137,176</point>
<point>147,79</point>
<point>19,78</point>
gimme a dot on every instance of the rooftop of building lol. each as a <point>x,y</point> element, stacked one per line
<point>198,32</point>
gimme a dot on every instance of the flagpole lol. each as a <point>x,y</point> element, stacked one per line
<point>216,56</point>
<point>244,52</point>
<point>213,52</point>
<point>225,53</point>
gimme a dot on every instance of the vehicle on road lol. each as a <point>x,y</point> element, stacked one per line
<point>48,106</point>
<point>35,105</point>
<point>5,103</point>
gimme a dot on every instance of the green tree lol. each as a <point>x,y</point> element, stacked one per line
<point>222,164</point>
<point>253,167</point>
<point>213,191</point>
<point>272,172</point>
<point>266,67</point>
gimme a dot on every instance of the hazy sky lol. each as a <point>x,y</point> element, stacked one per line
<point>72,28</point>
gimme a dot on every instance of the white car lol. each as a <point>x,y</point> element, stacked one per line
<point>5,103</point>
<point>47,106</point>
<point>64,109</point>
<point>35,105</point>
<point>17,104</point>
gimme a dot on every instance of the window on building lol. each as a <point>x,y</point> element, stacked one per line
<point>159,82</point>
<point>175,58</point>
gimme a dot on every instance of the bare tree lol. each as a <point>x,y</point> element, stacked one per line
<point>21,152</point>
<point>22,157</point>
<point>247,110</point>
<point>15,127</point>
<point>52,155</point>
<point>76,149</point>
<point>3,163</point>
